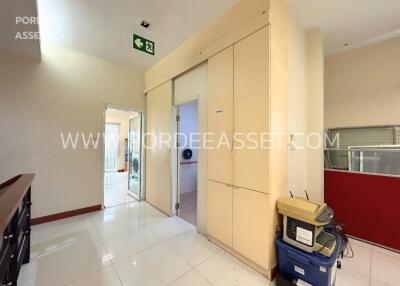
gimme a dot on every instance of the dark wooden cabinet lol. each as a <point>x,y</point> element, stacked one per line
<point>15,227</point>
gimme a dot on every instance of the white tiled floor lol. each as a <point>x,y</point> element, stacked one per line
<point>116,189</point>
<point>135,244</point>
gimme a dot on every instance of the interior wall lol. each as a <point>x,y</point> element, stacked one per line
<point>65,92</point>
<point>120,117</point>
<point>306,111</point>
<point>362,86</point>
<point>297,113</point>
<point>279,114</point>
<point>189,86</point>
<point>187,126</point>
<point>315,114</point>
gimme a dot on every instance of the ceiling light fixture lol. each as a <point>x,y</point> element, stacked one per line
<point>145,24</point>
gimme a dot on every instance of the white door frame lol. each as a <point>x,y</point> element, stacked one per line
<point>143,159</point>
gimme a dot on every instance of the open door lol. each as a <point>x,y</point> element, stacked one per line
<point>122,156</point>
<point>158,156</point>
<point>135,156</point>
<point>187,161</point>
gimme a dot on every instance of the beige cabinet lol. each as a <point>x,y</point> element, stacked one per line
<point>251,111</point>
<point>219,212</point>
<point>250,225</point>
<point>241,213</point>
<point>220,116</point>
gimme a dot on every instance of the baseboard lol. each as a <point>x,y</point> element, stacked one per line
<point>58,216</point>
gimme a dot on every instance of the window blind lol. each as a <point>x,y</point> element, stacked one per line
<point>358,136</point>
<point>397,135</point>
<point>363,136</point>
<point>111,144</point>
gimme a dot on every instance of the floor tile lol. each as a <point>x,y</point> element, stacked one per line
<point>150,248</point>
<point>224,270</point>
<point>104,277</point>
<point>385,266</point>
<point>193,247</point>
<point>119,228</point>
<point>361,260</point>
<point>146,214</point>
<point>63,236</point>
<point>157,266</point>
<point>117,198</point>
<point>170,227</point>
<point>59,227</point>
<point>375,282</point>
<point>116,190</point>
<point>358,242</point>
<point>127,245</point>
<point>111,215</point>
<point>188,207</point>
<point>192,278</point>
<point>349,277</point>
<point>28,275</point>
<point>69,264</point>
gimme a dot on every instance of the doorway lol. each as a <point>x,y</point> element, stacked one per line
<point>122,157</point>
<point>187,126</point>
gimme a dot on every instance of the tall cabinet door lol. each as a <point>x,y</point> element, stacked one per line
<point>219,212</point>
<point>251,110</point>
<point>250,225</point>
<point>220,116</point>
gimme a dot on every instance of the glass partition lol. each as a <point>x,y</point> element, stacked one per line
<point>364,149</point>
<point>375,159</point>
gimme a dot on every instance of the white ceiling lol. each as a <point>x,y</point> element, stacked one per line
<point>104,28</point>
<point>357,22</point>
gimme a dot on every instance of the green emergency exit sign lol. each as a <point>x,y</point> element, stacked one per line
<point>142,44</point>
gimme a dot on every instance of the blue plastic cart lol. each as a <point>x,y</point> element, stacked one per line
<point>313,268</point>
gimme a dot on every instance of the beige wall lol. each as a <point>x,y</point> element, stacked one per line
<point>65,92</point>
<point>315,114</point>
<point>362,86</point>
<point>297,113</point>
<point>306,114</point>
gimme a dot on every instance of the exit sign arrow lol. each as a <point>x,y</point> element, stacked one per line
<point>144,45</point>
<point>139,43</point>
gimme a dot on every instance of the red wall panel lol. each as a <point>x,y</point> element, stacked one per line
<point>368,205</point>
